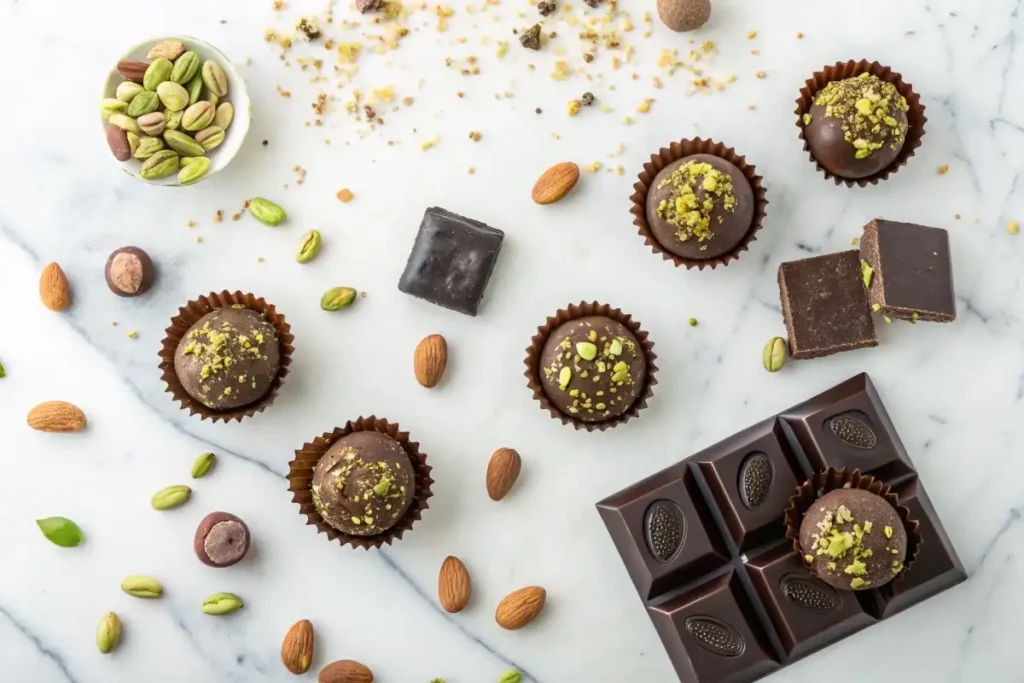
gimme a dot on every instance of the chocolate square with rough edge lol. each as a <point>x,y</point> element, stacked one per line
<point>825,305</point>
<point>451,261</point>
<point>913,271</point>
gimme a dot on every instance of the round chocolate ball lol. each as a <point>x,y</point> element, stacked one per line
<point>684,15</point>
<point>592,368</point>
<point>229,358</point>
<point>221,540</point>
<point>129,272</point>
<point>853,540</point>
<point>700,207</point>
<point>856,127</point>
<point>364,484</point>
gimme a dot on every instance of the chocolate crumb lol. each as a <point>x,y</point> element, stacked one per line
<point>593,3</point>
<point>546,7</point>
<point>266,142</point>
<point>531,37</point>
<point>587,99</point>
<point>537,110</point>
<point>365,6</point>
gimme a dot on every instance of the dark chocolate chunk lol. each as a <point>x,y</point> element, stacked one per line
<point>912,276</point>
<point>221,540</point>
<point>129,271</point>
<point>228,358</point>
<point>700,206</point>
<point>825,305</point>
<point>451,261</point>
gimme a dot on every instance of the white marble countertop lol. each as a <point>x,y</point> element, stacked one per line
<point>954,391</point>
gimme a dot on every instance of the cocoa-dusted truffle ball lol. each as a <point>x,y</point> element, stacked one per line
<point>853,540</point>
<point>684,15</point>
<point>856,127</point>
<point>364,484</point>
<point>592,368</point>
<point>229,358</point>
<point>221,540</point>
<point>129,272</point>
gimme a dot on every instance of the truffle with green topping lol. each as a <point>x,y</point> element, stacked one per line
<point>592,368</point>
<point>364,484</point>
<point>853,540</point>
<point>856,127</point>
<point>229,358</point>
<point>700,207</point>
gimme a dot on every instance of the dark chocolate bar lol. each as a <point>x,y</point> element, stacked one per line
<point>912,274</point>
<point>705,543</point>
<point>451,261</point>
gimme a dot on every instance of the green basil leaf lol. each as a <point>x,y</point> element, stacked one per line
<point>61,531</point>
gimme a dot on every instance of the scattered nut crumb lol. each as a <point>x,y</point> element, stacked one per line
<point>218,217</point>
<point>751,107</point>
<point>1012,228</point>
<point>956,216</point>
<point>573,107</point>
<point>799,34</point>
<point>587,99</point>
<point>428,144</point>
<point>854,241</point>
<point>191,224</point>
<point>537,110</point>
<point>470,170</point>
<point>345,195</point>
<point>531,38</point>
<point>593,168</point>
<point>475,136</point>
<point>943,169</point>
<point>693,322</point>
<point>755,51</point>
<point>282,92</point>
<point>133,335</point>
<point>113,323</point>
<point>645,106</point>
<point>974,219</point>
<point>751,34</point>
<point>760,74</point>
<point>362,295</point>
<point>199,240</point>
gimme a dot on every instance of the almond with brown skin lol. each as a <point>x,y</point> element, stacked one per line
<point>345,671</point>
<point>502,472</point>
<point>131,70</point>
<point>556,182</point>
<point>56,416</point>
<point>453,585</point>
<point>520,608</point>
<point>54,289</point>
<point>430,360</point>
<point>297,648</point>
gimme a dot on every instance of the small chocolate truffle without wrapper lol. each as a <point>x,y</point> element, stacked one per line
<point>228,358</point>
<point>853,540</point>
<point>129,272</point>
<point>592,368</point>
<point>856,127</point>
<point>221,540</point>
<point>700,207</point>
<point>364,484</point>
<point>912,272</point>
<point>684,15</point>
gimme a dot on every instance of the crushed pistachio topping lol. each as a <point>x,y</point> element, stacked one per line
<point>367,487</point>
<point>868,272</point>
<point>840,544</point>
<point>218,347</point>
<point>698,188</point>
<point>868,108</point>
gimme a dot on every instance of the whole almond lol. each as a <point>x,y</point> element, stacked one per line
<point>297,648</point>
<point>345,671</point>
<point>56,416</point>
<point>520,608</point>
<point>502,472</point>
<point>453,585</point>
<point>117,140</point>
<point>556,182</point>
<point>430,360</point>
<point>131,70</point>
<point>54,289</point>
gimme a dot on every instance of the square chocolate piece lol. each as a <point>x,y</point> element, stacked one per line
<point>825,305</point>
<point>913,271</point>
<point>451,261</point>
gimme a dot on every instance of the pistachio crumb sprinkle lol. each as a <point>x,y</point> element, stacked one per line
<point>684,209</point>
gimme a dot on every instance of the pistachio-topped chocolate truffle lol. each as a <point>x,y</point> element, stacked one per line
<point>229,358</point>
<point>700,207</point>
<point>364,484</point>
<point>592,368</point>
<point>856,127</point>
<point>853,540</point>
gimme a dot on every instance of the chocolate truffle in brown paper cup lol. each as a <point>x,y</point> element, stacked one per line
<point>852,130</point>
<point>364,503</point>
<point>591,366</point>
<point>851,530</point>
<point>226,355</point>
<point>693,216</point>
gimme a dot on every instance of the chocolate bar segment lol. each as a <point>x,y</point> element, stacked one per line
<point>912,274</point>
<point>451,261</point>
<point>825,305</point>
<point>712,634</point>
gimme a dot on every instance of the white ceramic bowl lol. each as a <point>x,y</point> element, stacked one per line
<point>237,95</point>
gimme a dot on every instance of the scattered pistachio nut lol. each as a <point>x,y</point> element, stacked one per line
<point>185,67</point>
<point>194,88</point>
<point>210,137</point>
<point>143,103</point>
<point>194,171</point>
<point>215,78</point>
<point>111,106</point>
<point>142,587</point>
<point>337,298</point>
<point>183,144</point>
<point>162,164</point>
<point>219,604</point>
<point>266,211</point>
<point>125,123</point>
<point>511,676</point>
<point>173,119</point>
<point>224,116</point>
<point>127,91</point>
<point>212,99</point>
<point>157,72</point>
<point>153,123</point>
<point>309,247</point>
<point>203,464</point>
<point>775,354</point>
<point>173,96</point>
<point>108,633</point>
<point>198,116</point>
<point>133,142</point>
<point>148,146</point>
<point>171,497</point>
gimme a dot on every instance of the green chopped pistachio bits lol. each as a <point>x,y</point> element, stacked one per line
<point>587,350</point>
<point>3,373</point>
<point>61,531</point>
<point>511,676</point>
<point>888,532</point>
<point>564,377</point>
<point>857,582</point>
<point>693,322</point>
<point>615,348</point>
<point>867,271</point>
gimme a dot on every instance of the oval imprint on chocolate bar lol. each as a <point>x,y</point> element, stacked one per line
<point>853,429</point>
<point>716,636</point>
<point>755,480</point>
<point>812,596</point>
<point>664,530</point>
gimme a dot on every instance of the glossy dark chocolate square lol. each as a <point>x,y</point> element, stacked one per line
<point>825,305</point>
<point>451,261</point>
<point>663,531</point>
<point>847,426</point>
<point>711,633</point>
<point>913,271</point>
<point>751,475</point>
<point>808,614</point>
